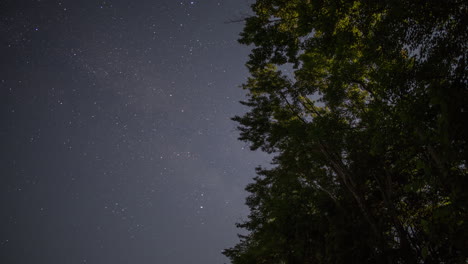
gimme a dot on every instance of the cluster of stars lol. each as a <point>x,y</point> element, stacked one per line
<point>117,122</point>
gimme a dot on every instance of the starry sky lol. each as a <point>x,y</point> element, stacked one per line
<point>116,144</point>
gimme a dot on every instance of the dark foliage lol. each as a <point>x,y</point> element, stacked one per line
<point>369,131</point>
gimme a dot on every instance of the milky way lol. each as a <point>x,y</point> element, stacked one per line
<point>116,139</point>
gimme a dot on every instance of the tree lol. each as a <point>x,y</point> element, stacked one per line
<point>363,104</point>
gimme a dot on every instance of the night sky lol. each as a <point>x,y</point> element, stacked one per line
<point>116,144</point>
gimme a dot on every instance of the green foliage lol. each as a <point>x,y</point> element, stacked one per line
<point>369,132</point>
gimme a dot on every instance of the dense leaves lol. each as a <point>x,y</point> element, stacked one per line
<point>368,124</point>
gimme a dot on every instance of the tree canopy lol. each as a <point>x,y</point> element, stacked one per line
<point>364,106</point>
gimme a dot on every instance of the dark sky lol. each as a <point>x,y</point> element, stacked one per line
<point>116,144</point>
